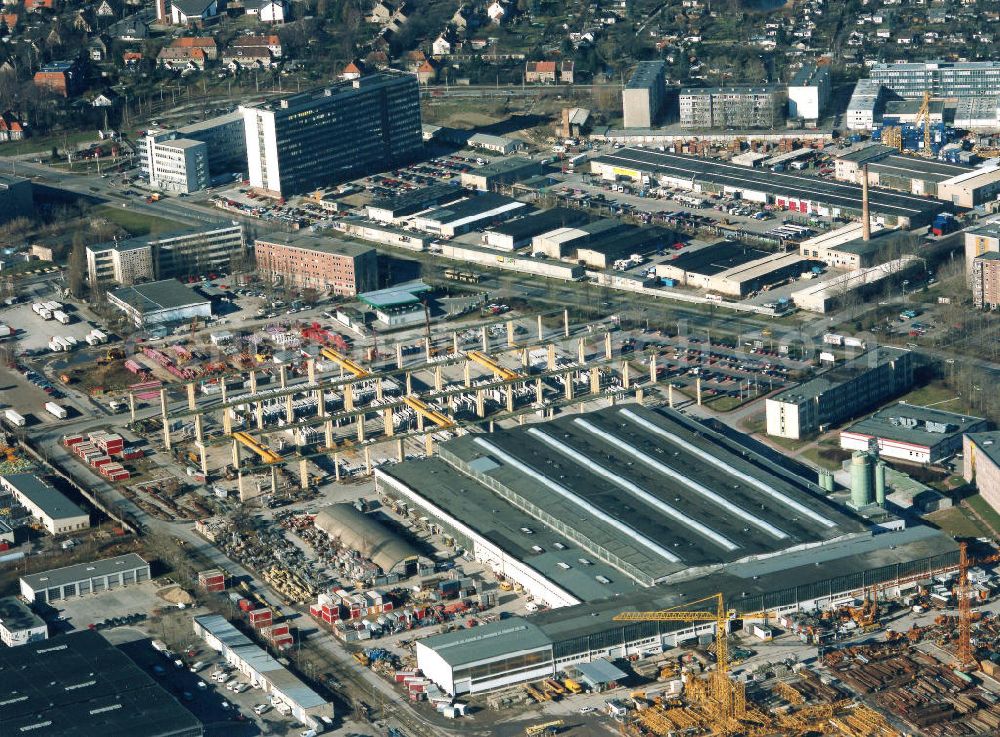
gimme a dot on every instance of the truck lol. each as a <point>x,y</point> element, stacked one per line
<point>52,305</point>
<point>45,314</point>
<point>14,418</point>
<point>56,411</point>
<point>159,646</point>
<point>61,317</point>
<point>96,337</point>
<point>944,223</point>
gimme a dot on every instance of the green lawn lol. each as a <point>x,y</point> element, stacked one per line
<point>936,394</point>
<point>136,223</point>
<point>830,458</point>
<point>958,522</point>
<point>44,144</point>
<point>985,511</point>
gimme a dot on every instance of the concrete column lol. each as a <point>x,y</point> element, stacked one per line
<point>283,376</point>
<point>349,397</point>
<point>670,395</point>
<point>163,403</point>
<point>390,428</point>
<point>485,339</point>
<point>539,397</point>
<point>438,379</point>
<point>409,383</point>
<point>420,422</point>
<point>607,346</point>
<point>236,454</point>
<point>399,355</point>
<point>166,433</point>
<point>524,358</point>
<point>697,388</point>
<point>227,421</point>
<point>361,428</point>
<point>639,394</point>
<point>480,403</point>
<point>429,445</point>
<point>569,385</point>
<point>368,460</point>
<point>328,429</point>
<point>454,342</point>
<point>259,413</point>
<point>540,336</point>
<point>131,406</point>
<point>510,397</point>
<point>320,403</point>
<point>551,357</point>
<point>520,419</point>
<point>304,474</point>
<point>510,334</point>
<point>652,368</point>
<point>274,480</point>
<point>311,370</point>
<point>289,409</point>
<point>203,457</point>
<point>191,396</point>
<point>336,466</point>
<point>626,379</point>
<point>400,454</point>
<point>241,487</point>
<point>492,426</point>
<point>253,382</point>
<point>468,375</point>
<point>565,323</point>
<point>378,388</point>
<point>595,380</point>
<point>427,348</point>
<point>581,352</point>
<point>198,435</point>
<point>225,390</point>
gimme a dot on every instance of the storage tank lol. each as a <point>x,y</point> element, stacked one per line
<point>861,480</point>
<point>880,483</point>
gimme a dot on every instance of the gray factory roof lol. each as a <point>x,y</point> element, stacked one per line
<point>912,107</point>
<point>988,443</point>
<point>168,294</point>
<point>626,240</point>
<point>499,167</point>
<point>79,685</point>
<point>839,374</point>
<point>9,180</point>
<point>648,492</point>
<point>809,74</point>
<point>331,94</point>
<point>470,207</point>
<point>645,75</point>
<point>488,641</point>
<point>364,533</point>
<point>777,580</point>
<point>286,682</point>
<point>990,230</point>
<point>911,167</point>
<point>15,615</point>
<point>83,571</point>
<point>418,199</point>
<point>866,152</point>
<point>542,222</point>
<point>910,423</point>
<point>716,258</point>
<point>49,499</point>
<point>720,173</point>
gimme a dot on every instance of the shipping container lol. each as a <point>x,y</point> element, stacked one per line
<point>61,317</point>
<point>56,411</point>
<point>14,418</point>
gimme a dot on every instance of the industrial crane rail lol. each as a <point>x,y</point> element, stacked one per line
<point>486,362</point>
<point>421,408</point>
<point>345,363</point>
<point>266,454</point>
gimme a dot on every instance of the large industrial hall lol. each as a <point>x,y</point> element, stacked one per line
<point>634,508</point>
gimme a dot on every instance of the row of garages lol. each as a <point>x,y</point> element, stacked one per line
<point>802,194</point>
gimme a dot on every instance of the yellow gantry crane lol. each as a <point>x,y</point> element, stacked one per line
<point>422,408</point>
<point>486,362</point>
<point>345,363</point>
<point>266,454</point>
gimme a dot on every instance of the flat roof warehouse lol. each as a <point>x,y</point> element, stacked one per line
<point>916,210</point>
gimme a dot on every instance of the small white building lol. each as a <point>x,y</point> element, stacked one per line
<point>159,302</point>
<point>192,12</point>
<point>268,11</point>
<point>47,505</point>
<point>19,625</point>
<point>809,92</point>
<point>497,144</point>
<point>176,164</point>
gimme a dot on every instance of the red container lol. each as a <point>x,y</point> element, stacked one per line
<point>245,605</point>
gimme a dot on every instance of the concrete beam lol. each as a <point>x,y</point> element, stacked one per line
<point>540,331</point>
<point>565,323</point>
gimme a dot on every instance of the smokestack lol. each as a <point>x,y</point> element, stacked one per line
<point>866,224</point>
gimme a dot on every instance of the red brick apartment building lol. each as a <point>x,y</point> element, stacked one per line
<point>324,264</point>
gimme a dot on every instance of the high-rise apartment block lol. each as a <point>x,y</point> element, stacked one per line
<point>317,138</point>
<point>986,281</point>
<point>732,107</point>
<point>809,92</point>
<point>307,262</point>
<point>940,78</point>
<point>644,94</point>
<point>188,159</point>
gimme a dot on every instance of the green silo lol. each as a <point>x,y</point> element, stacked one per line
<point>861,480</point>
